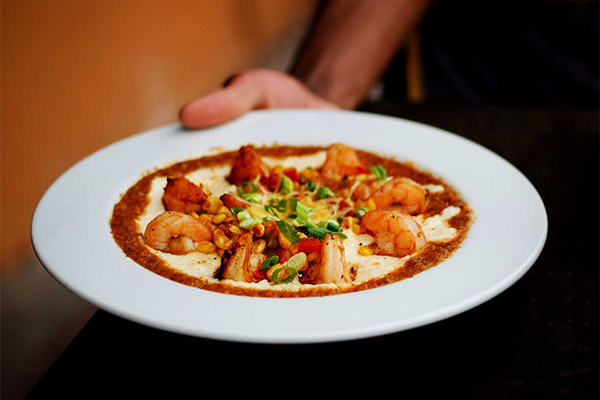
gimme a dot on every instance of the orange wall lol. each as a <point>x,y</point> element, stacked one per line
<point>78,75</point>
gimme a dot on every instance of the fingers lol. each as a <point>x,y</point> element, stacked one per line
<point>249,91</point>
<point>220,106</point>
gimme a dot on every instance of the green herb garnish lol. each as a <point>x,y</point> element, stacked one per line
<point>324,192</point>
<point>287,185</point>
<point>269,262</point>
<point>290,278</point>
<point>288,231</point>
<point>379,172</point>
<point>360,212</point>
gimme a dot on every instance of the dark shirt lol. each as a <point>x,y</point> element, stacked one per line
<point>507,52</point>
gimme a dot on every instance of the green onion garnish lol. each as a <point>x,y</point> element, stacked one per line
<point>242,190</point>
<point>243,215</point>
<point>320,233</point>
<point>269,262</point>
<point>297,261</point>
<point>304,213</point>
<point>249,223</point>
<point>324,192</point>
<point>252,197</point>
<point>310,186</point>
<point>236,210</point>
<point>361,212</point>
<point>287,185</point>
<point>379,172</point>
<point>290,278</point>
<point>288,231</point>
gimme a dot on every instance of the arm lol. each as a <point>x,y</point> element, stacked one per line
<point>349,47</point>
<point>352,44</point>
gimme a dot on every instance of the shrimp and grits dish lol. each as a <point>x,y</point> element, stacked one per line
<point>289,221</point>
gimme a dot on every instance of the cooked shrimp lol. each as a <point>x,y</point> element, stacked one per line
<point>396,233</point>
<point>182,195</point>
<point>334,268</point>
<point>175,232</point>
<point>248,166</point>
<point>235,264</point>
<point>401,194</point>
<point>341,161</point>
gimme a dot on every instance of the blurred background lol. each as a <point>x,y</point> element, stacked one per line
<point>79,75</point>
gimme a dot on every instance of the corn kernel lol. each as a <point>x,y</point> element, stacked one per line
<point>217,219</point>
<point>193,214</point>
<point>220,252</point>
<point>356,229</point>
<point>213,205</point>
<point>224,210</point>
<point>223,242</point>
<point>258,230</point>
<point>206,247</point>
<point>284,242</point>
<point>278,169</point>
<point>259,246</point>
<point>371,205</point>
<point>365,251</point>
<point>272,269</point>
<point>204,218</point>
<point>301,235</point>
<point>235,230</point>
<point>294,248</point>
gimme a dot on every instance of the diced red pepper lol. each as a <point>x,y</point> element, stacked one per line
<point>312,245</point>
<point>293,174</point>
<point>272,182</point>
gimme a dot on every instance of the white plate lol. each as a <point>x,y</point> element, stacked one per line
<point>71,233</point>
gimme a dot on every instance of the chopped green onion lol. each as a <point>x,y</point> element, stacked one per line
<point>287,185</point>
<point>293,203</point>
<point>236,210</point>
<point>269,262</point>
<point>310,186</point>
<point>297,261</point>
<point>242,190</point>
<point>252,197</point>
<point>271,210</point>
<point>249,223</point>
<point>320,233</point>
<point>268,218</point>
<point>361,212</point>
<point>288,231</point>
<point>243,215</point>
<point>290,278</point>
<point>324,192</point>
<point>304,213</point>
<point>379,172</point>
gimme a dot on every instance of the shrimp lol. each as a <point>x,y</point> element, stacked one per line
<point>341,161</point>
<point>176,232</point>
<point>182,195</point>
<point>235,264</point>
<point>396,233</point>
<point>334,268</point>
<point>247,166</point>
<point>401,194</point>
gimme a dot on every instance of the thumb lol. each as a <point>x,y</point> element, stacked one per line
<point>222,105</point>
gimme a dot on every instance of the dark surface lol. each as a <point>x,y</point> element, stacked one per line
<point>538,339</point>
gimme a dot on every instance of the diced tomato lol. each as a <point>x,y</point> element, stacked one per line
<point>292,174</point>
<point>312,245</point>
<point>272,182</point>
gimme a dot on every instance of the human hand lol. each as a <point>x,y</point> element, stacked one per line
<point>250,90</point>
